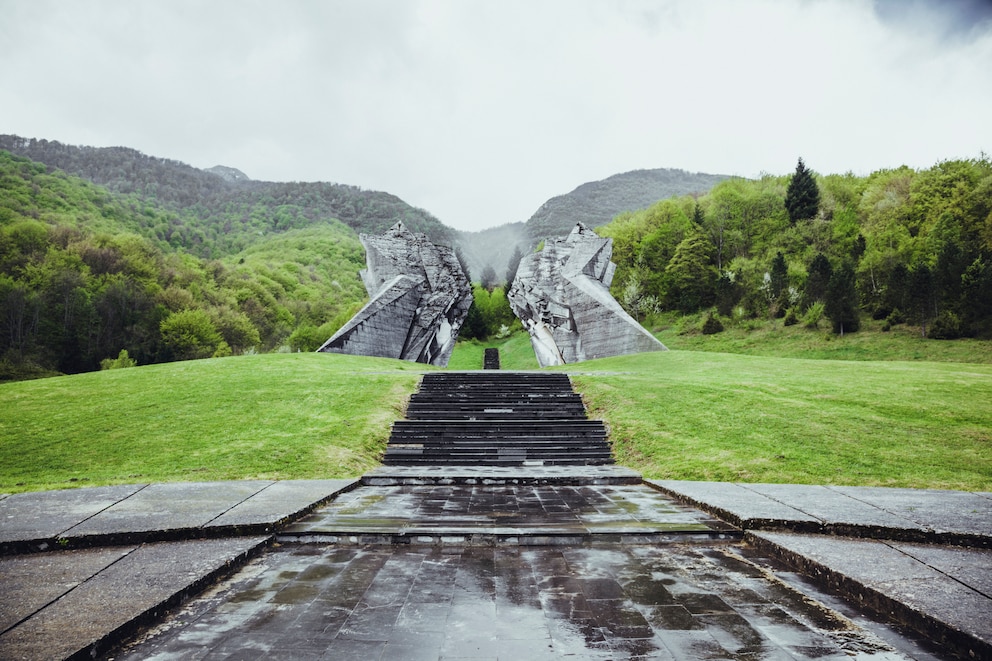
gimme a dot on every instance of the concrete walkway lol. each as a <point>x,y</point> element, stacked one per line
<point>494,563</point>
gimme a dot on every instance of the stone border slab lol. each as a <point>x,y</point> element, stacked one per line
<point>132,514</point>
<point>44,516</point>
<point>86,615</point>
<point>912,515</point>
<point>939,592</point>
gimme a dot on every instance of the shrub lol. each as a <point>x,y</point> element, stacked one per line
<point>947,326</point>
<point>895,318</point>
<point>790,318</point>
<point>813,315</point>
<point>712,325</point>
<point>121,361</point>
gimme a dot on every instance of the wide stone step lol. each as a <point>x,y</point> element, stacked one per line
<point>495,413</point>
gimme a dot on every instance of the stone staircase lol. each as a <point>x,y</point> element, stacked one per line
<point>495,418</point>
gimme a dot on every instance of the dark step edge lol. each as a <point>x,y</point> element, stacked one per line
<point>494,537</point>
<point>154,614</point>
<point>946,634</point>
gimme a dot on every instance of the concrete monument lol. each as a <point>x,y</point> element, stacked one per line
<point>562,296</point>
<point>420,298</point>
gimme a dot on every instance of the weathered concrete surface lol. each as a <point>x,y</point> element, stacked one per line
<point>67,603</point>
<point>956,517</point>
<point>46,515</point>
<point>677,602</point>
<point>628,598</point>
<point>512,514</point>
<point>942,592</point>
<point>562,297</point>
<point>131,513</point>
<point>420,298</point>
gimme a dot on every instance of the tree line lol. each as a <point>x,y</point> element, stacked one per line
<point>79,283</point>
<point>899,245</point>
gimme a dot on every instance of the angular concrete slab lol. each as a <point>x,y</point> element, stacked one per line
<point>737,504</point>
<point>169,506</point>
<point>676,602</point>
<point>954,517</point>
<point>28,583</point>
<point>281,501</point>
<point>948,514</point>
<point>40,517</point>
<point>121,595</point>
<point>897,581</point>
<point>834,508</point>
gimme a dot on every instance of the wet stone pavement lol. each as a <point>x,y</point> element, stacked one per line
<point>681,601</point>
<point>506,513</point>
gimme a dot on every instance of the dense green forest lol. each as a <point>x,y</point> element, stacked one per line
<point>179,207</point>
<point>900,245</point>
<point>81,280</point>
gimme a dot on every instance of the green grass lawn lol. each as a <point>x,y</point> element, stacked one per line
<point>772,338</point>
<point>696,415</point>
<point>275,416</point>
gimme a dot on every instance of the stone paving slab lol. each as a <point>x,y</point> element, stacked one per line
<point>943,592</point>
<point>46,515</point>
<point>609,474</point>
<point>957,517</point>
<point>65,603</point>
<point>734,503</point>
<point>170,506</point>
<point>947,513</point>
<point>505,511</point>
<point>675,602</point>
<point>134,513</point>
<point>281,501</point>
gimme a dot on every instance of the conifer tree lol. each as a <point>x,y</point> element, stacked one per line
<point>802,197</point>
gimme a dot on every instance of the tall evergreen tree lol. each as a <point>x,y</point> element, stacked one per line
<point>817,280</point>
<point>921,294</point>
<point>513,265</point>
<point>842,301</point>
<point>802,197</point>
<point>691,275</point>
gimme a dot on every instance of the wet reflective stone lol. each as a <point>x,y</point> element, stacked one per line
<point>533,603</point>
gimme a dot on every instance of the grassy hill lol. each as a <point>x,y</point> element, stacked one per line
<point>677,414</point>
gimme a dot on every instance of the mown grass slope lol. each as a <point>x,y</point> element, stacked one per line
<point>697,415</point>
<point>712,416</point>
<point>274,416</point>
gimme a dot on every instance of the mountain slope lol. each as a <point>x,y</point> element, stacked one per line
<point>216,212</point>
<point>596,203</point>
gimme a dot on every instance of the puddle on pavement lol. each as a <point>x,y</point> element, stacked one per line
<point>679,600</point>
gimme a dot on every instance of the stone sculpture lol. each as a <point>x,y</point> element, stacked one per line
<point>562,296</point>
<point>420,298</point>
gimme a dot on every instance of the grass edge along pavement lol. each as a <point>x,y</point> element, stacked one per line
<point>272,416</point>
<point>686,415</point>
<point>725,417</point>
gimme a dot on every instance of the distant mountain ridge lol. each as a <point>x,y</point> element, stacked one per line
<point>221,211</point>
<point>596,203</point>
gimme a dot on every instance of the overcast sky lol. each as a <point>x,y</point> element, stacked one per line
<point>479,111</point>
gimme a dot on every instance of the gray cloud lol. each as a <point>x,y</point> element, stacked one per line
<point>480,111</point>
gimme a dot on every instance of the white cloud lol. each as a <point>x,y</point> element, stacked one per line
<point>480,111</point>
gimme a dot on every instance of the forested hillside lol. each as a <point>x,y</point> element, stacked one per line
<point>597,202</point>
<point>80,280</point>
<point>899,245</point>
<point>216,213</point>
